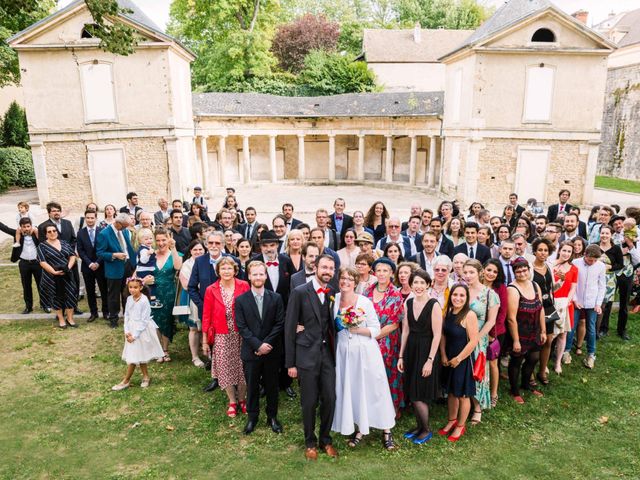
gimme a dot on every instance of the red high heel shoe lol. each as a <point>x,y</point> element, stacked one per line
<point>232,410</point>
<point>453,439</point>
<point>443,431</point>
<point>243,406</point>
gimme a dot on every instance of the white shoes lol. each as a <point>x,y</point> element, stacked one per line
<point>590,361</point>
<point>145,383</point>
<point>120,386</point>
<point>198,363</point>
<point>566,358</point>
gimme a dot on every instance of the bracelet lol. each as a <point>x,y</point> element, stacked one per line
<point>430,358</point>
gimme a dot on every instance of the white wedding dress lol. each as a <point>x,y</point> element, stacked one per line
<point>362,389</point>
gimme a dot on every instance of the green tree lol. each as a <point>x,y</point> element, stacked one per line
<point>328,73</point>
<point>15,132</point>
<point>454,14</point>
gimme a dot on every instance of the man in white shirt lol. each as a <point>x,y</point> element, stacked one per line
<point>570,223</point>
<point>413,234</point>
<point>507,250</point>
<point>394,235</point>
<point>428,254</point>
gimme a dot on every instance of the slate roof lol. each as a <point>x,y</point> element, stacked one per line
<point>631,23</point>
<point>400,104</point>
<point>399,46</point>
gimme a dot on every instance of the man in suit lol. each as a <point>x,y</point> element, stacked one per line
<point>517,208</point>
<point>412,232</point>
<point>287,211</point>
<point>310,253</point>
<point>340,221</point>
<point>180,234</point>
<point>444,245</point>
<point>114,248</point>
<point>428,254</point>
<point>260,320</point>
<point>249,229</point>
<point>92,267</point>
<point>561,206</point>
<point>330,236</point>
<point>394,235</point>
<point>570,224</point>
<point>66,233</point>
<point>310,354</point>
<point>161,215</point>
<point>415,209</point>
<point>279,225</point>
<point>132,206</point>
<point>582,226</point>
<point>26,254</point>
<point>317,237</point>
<point>471,248</point>
<point>507,252</point>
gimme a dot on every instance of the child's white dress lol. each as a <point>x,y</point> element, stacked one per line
<point>138,322</point>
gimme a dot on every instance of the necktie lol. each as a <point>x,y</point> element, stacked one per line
<point>272,264</point>
<point>509,279</point>
<point>471,252</point>
<point>259,299</point>
<point>561,209</point>
<point>92,236</point>
<point>249,231</point>
<point>123,244</point>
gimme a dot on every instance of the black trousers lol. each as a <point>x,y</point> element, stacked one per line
<point>265,369</point>
<point>30,270</point>
<point>116,293</point>
<point>91,278</point>
<point>318,386</point>
<point>516,366</point>
<point>284,380</point>
<point>625,284</point>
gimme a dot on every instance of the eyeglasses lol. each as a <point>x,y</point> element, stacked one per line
<point>440,270</point>
<point>394,226</point>
<point>214,243</point>
<point>347,279</point>
<point>362,264</point>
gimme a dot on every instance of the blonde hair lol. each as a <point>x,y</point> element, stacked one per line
<point>293,233</point>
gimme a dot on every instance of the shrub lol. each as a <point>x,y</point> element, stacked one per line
<point>4,182</point>
<point>15,132</point>
<point>332,74</point>
<point>17,165</point>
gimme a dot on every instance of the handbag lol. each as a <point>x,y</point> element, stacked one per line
<point>479,367</point>
<point>493,350</point>
<point>181,310</point>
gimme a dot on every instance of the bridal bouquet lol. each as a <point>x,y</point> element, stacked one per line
<point>351,317</point>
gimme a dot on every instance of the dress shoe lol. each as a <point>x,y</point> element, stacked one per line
<point>27,310</point>
<point>113,322</point>
<point>92,318</point>
<point>212,386</point>
<point>77,311</point>
<point>290,392</point>
<point>46,310</point>
<point>331,451</point>
<point>275,425</point>
<point>311,454</point>
<point>262,391</point>
<point>624,336</point>
<point>250,426</point>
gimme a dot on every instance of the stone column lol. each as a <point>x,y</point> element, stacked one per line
<point>204,156</point>
<point>301,174</point>
<point>412,159</point>
<point>432,163</point>
<point>272,158</point>
<point>245,173</point>
<point>361,158</point>
<point>332,157</point>
<point>222,158</point>
<point>388,163</point>
<point>40,169</point>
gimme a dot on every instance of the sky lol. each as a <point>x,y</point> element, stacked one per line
<point>158,10</point>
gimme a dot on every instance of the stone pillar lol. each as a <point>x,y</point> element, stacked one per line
<point>175,172</point>
<point>222,158</point>
<point>272,158</point>
<point>590,171</point>
<point>245,173</point>
<point>412,159</point>
<point>204,156</point>
<point>40,169</point>
<point>388,163</point>
<point>361,158</point>
<point>332,157</point>
<point>431,179</point>
<point>301,174</point>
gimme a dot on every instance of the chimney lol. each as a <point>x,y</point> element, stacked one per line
<point>581,16</point>
<point>417,31</point>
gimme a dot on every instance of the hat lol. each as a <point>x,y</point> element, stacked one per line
<point>197,188</point>
<point>386,261</point>
<point>269,237</point>
<point>365,237</point>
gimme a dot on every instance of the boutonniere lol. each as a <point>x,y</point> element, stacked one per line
<point>332,298</point>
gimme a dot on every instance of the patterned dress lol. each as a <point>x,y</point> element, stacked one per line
<point>390,311</point>
<point>58,291</point>
<point>165,279</point>
<point>226,348</point>
<point>479,306</point>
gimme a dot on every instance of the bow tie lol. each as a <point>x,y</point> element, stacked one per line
<point>338,217</point>
<point>309,274</point>
<point>272,264</point>
<point>323,290</point>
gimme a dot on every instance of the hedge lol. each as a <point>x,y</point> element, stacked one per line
<point>17,165</point>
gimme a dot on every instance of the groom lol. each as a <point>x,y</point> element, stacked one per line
<point>310,354</point>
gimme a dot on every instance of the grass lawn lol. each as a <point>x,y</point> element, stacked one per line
<point>613,183</point>
<point>60,420</point>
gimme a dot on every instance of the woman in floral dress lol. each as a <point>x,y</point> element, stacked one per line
<point>388,304</point>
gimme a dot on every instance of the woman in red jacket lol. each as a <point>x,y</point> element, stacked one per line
<point>220,331</point>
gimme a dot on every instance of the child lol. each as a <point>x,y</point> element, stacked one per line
<point>140,331</point>
<point>630,229</point>
<point>23,212</point>
<point>199,199</point>
<point>146,264</point>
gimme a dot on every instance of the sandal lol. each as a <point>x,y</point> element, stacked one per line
<point>232,410</point>
<point>354,440</point>
<point>494,401</point>
<point>476,418</point>
<point>578,350</point>
<point>537,393</point>
<point>518,399</point>
<point>387,441</point>
<point>197,362</point>
<point>544,380</point>
<point>166,357</point>
<point>243,406</point>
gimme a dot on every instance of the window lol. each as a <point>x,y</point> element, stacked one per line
<point>543,35</point>
<point>98,92</point>
<point>85,32</point>
<point>538,99</point>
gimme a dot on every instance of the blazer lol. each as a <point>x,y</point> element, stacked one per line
<point>300,278</point>
<point>552,212</point>
<point>158,219</point>
<point>347,223</point>
<point>255,329</point>
<point>482,255</point>
<point>243,228</point>
<point>416,241</point>
<point>406,245</point>
<point>304,349</point>
<point>419,259</point>
<point>446,246</point>
<point>285,270</point>
<point>67,233</point>
<point>136,209</point>
<point>214,318</point>
<point>202,275</point>
<point>295,222</point>
<point>16,251</point>
<point>582,229</point>
<point>106,245</point>
<point>333,239</point>
<point>86,251</point>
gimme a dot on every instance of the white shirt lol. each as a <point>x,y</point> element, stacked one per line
<point>316,286</point>
<point>591,283</point>
<point>273,272</point>
<point>29,251</point>
<point>428,264</point>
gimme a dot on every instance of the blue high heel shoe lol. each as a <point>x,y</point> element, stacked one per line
<point>420,441</point>
<point>410,434</point>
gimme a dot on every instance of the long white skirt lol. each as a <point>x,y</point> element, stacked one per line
<point>363,397</point>
<point>145,348</point>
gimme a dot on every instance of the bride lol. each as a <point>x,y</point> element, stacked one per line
<point>363,398</point>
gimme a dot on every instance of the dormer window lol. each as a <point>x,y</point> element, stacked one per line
<point>543,35</point>
<point>86,32</point>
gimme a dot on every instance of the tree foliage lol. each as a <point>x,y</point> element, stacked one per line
<point>454,14</point>
<point>16,163</point>
<point>115,37</point>
<point>293,41</point>
<point>15,132</point>
<point>332,74</point>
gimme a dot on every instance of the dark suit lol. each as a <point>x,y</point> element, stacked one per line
<point>405,245</point>
<point>88,255</point>
<point>285,271</point>
<point>552,212</point>
<point>333,239</point>
<point>300,278</point>
<point>243,229</point>
<point>312,352</point>
<point>446,247</point>
<point>582,229</point>
<point>347,223</point>
<point>294,223</point>
<point>256,330</point>
<point>482,254</point>
<point>136,209</point>
<point>158,219</point>
<point>202,275</point>
<point>416,241</point>
<point>420,260</point>
<point>519,209</point>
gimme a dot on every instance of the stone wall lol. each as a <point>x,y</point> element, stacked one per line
<point>620,150</point>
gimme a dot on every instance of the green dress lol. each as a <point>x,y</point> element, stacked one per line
<point>479,306</point>
<point>166,294</point>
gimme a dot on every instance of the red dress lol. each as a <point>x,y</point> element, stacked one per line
<point>570,278</point>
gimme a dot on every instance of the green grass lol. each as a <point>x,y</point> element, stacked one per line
<point>613,183</point>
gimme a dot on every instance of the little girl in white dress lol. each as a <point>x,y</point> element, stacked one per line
<point>141,338</point>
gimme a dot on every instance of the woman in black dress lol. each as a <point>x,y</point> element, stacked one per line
<point>57,286</point>
<point>543,277</point>
<point>419,356</point>
<point>460,337</point>
<point>376,219</point>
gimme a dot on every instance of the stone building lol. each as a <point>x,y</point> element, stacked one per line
<point>514,106</point>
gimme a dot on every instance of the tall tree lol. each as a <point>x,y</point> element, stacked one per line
<point>15,132</point>
<point>454,14</point>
